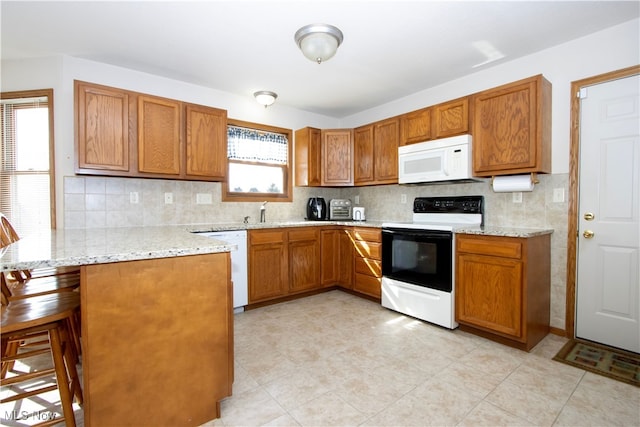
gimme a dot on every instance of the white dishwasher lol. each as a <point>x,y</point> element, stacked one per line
<point>238,264</point>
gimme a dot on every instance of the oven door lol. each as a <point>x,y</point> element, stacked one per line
<point>420,257</point>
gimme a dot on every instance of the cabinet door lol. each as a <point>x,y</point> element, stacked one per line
<point>337,160</point>
<point>329,257</point>
<point>159,142</point>
<point>511,128</point>
<point>268,265</point>
<point>267,272</point>
<point>102,128</point>
<point>308,156</point>
<point>206,142</point>
<point>304,259</point>
<point>415,126</point>
<point>363,155</point>
<point>385,148</point>
<point>346,261</point>
<point>489,293</point>
<point>451,118</point>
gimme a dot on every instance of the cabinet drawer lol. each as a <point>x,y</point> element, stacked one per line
<point>368,249</point>
<point>307,233</point>
<point>368,285</point>
<point>368,234</point>
<point>266,236</point>
<point>501,246</point>
<point>369,267</point>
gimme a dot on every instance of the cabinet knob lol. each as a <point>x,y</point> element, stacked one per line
<point>589,216</point>
<point>588,234</point>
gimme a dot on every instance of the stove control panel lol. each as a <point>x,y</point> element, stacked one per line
<point>449,204</point>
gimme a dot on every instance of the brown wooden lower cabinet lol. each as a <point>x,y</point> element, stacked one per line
<point>268,266</point>
<point>346,254</point>
<point>503,287</point>
<point>140,320</point>
<point>330,261</point>
<point>284,262</point>
<point>304,259</point>
<point>367,261</point>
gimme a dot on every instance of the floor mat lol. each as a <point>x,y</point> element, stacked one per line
<point>611,362</point>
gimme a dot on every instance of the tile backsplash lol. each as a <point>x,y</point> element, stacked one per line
<point>93,202</point>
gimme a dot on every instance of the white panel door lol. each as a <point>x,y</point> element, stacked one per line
<point>608,294</point>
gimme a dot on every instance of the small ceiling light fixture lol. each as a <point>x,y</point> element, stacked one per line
<point>318,42</point>
<point>265,97</point>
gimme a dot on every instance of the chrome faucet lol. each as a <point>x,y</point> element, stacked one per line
<point>263,211</point>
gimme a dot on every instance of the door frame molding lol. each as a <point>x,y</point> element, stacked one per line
<point>574,163</point>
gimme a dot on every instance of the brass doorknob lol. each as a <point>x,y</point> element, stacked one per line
<point>588,234</point>
<point>589,216</point>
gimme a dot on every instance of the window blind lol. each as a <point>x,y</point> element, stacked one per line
<point>25,180</point>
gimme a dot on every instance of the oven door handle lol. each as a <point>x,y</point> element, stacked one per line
<point>431,234</point>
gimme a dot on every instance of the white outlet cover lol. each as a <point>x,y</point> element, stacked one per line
<point>204,199</point>
<point>168,198</point>
<point>517,197</point>
<point>558,195</point>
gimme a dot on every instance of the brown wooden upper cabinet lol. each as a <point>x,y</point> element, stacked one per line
<point>102,128</point>
<point>308,157</point>
<point>512,128</point>
<point>337,157</point>
<point>451,118</point>
<point>159,142</point>
<point>415,126</point>
<point>376,152</point>
<point>439,121</point>
<point>125,133</point>
<point>206,142</point>
<point>386,134</point>
<point>363,155</point>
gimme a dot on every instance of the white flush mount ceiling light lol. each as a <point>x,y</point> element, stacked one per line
<point>265,97</point>
<point>318,42</point>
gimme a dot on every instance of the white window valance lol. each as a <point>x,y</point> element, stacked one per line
<point>251,145</point>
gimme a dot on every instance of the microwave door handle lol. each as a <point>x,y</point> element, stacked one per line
<point>445,162</point>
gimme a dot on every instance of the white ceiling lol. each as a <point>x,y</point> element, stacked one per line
<point>391,49</point>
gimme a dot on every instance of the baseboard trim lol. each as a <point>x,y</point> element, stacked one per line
<point>558,331</point>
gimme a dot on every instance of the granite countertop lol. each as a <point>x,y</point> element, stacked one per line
<point>228,226</point>
<point>74,247</point>
<point>505,231</point>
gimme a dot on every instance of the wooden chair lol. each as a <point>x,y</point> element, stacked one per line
<point>51,317</point>
<point>37,282</point>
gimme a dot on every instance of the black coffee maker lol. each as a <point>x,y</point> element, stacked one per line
<point>316,209</point>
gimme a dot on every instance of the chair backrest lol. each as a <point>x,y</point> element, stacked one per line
<point>8,234</point>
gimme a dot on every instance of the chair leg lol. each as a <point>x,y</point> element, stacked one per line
<point>9,348</point>
<point>71,358</point>
<point>61,377</point>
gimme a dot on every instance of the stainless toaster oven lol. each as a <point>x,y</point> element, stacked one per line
<point>340,209</point>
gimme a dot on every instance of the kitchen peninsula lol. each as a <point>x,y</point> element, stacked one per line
<point>157,320</point>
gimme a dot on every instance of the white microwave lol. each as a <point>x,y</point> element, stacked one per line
<point>447,159</point>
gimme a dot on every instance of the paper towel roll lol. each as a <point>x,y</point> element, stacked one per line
<point>511,183</point>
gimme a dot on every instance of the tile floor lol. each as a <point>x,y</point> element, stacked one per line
<point>335,359</point>
<point>338,360</point>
